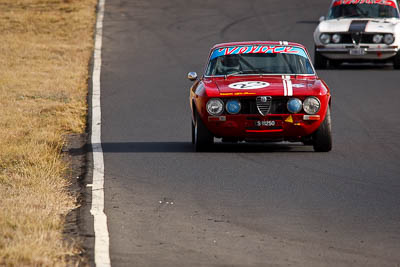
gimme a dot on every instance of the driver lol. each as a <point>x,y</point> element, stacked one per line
<point>229,64</point>
<point>350,11</point>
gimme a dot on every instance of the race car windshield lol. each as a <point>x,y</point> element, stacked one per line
<point>363,11</point>
<point>258,63</point>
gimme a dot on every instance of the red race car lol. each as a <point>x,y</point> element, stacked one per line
<point>260,92</point>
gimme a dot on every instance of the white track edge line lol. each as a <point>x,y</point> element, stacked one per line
<point>102,240</point>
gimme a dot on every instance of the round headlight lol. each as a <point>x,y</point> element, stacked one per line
<point>336,38</point>
<point>311,105</point>
<point>294,105</point>
<point>325,38</point>
<point>233,106</point>
<point>215,107</point>
<point>377,38</point>
<point>388,39</point>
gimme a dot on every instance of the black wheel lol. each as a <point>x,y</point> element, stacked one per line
<point>396,61</point>
<point>322,138</point>
<point>320,62</point>
<point>203,138</point>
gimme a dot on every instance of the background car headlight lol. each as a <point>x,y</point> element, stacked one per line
<point>377,38</point>
<point>311,105</point>
<point>325,38</point>
<point>388,38</point>
<point>233,106</point>
<point>215,107</point>
<point>294,105</point>
<point>336,38</point>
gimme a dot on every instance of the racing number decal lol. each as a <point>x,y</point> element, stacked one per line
<point>248,85</point>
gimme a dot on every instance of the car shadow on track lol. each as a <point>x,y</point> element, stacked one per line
<point>362,66</point>
<point>312,22</point>
<point>187,147</point>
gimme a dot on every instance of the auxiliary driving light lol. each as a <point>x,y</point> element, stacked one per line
<point>336,38</point>
<point>233,106</point>
<point>377,38</point>
<point>294,105</point>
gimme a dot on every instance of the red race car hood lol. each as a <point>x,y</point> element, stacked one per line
<point>265,85</point>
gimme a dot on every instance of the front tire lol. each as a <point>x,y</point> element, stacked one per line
<point>322,138</point>
<point>320,62</point>
<point>203,138</point>
<point>396,61</point>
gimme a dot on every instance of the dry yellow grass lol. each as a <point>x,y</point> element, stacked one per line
<point>45,47</point>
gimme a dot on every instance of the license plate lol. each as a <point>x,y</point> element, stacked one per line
<point>266,123</point>
<point>357,52</point>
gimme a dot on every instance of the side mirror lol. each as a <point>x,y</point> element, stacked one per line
<point>192,76</point>
<point>321,19</point>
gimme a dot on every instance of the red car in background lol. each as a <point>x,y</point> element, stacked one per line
<point>260,92</point>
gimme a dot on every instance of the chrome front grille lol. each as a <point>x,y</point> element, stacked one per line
<point>357,38</point>
<point>264,104</point>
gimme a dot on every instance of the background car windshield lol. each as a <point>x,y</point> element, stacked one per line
<point>259,64</point>
<point>363,11</point>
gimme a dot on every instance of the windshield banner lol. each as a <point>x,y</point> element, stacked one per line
<point>371,2</point>
<point>258,49</point>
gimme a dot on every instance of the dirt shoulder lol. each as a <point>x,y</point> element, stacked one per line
<point>45,49</point>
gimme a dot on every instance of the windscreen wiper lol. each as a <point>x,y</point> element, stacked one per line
<point>239,72</point>
<point>233,73</point>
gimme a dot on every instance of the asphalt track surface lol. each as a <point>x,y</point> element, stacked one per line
<point>241,205</point>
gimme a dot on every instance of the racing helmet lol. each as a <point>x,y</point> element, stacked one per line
<point>230,61</point>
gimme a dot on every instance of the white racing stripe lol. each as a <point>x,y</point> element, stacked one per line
<point>287,85</point>
<point>284,86</point>
<point>102,243</point>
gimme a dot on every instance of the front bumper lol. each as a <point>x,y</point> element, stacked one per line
<point>291,127</point>
<point>364,52</point>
